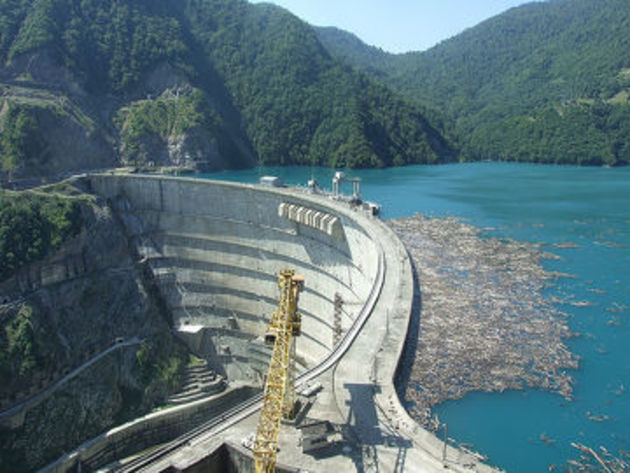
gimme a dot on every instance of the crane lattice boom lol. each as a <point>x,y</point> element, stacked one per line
<point>279,394</point>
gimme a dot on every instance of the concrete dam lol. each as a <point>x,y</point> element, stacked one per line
<point>215,249</point>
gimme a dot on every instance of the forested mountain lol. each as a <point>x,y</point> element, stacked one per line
<point>223,83</point>
<point>204,83</point>
<point>544,82</point>
<point>350,49</point>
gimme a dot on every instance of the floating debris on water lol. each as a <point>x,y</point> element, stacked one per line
<point>602,461</point>
<point>617,308</point>
<point>582,304</point>
<point>611,244</point>
<point>597,418</point>
<point>568,244</point>
<point>546,439</point>
<point>484,322</point>
<point>621,390</point>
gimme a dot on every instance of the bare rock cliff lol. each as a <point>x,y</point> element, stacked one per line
<point>85,344</point>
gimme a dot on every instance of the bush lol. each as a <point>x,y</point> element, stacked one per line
<point>31,226</point>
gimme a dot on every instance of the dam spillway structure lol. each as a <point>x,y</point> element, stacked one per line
<point>213,250</point>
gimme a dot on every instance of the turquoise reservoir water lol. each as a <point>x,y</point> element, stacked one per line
<point>589,207</point>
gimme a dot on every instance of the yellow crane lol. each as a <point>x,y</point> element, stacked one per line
<point>279,393</point>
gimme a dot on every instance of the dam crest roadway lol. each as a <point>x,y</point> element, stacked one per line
<point>214,250</point>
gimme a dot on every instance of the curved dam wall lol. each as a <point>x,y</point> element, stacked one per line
<point>215,250</point>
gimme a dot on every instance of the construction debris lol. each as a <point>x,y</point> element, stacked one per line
<point>485,324</point>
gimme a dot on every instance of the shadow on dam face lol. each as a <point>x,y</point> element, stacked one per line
<point>228,458</point>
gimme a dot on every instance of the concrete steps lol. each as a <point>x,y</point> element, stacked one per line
<point>200,382</point>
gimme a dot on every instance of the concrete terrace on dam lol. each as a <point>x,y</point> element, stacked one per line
<point>215,250</point>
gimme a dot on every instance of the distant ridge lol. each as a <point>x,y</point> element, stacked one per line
<point>214,84</point>
<point>543,82</point>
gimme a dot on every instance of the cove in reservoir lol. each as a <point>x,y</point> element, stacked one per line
<point>581,215</point>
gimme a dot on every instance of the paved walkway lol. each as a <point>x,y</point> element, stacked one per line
<point>364,390</point>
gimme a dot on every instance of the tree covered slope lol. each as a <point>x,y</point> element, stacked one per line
<point>544,82</point>
<point>261,86</point>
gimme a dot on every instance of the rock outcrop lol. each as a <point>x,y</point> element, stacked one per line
<point>90,302</point>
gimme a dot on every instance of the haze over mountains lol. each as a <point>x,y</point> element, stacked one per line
<point>211,84</point>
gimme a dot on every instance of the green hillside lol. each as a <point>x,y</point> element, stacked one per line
<point>263,89</point>
<point>544,82</point>
<point>211,84</point>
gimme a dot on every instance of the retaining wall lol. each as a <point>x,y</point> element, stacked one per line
<point>147,431</point>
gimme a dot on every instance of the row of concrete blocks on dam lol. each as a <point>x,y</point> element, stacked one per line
<point>322,221</point>
<point>215,250</point>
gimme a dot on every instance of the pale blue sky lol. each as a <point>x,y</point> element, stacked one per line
<point>397,25</point>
